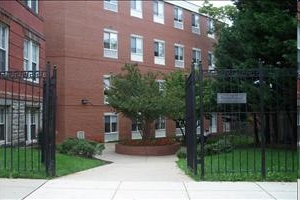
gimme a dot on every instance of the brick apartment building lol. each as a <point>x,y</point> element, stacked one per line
<point>22,48</point>
<point>91,40</point>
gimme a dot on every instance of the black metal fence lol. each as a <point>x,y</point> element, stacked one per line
<point>27,122</point>
<point>248,120</point>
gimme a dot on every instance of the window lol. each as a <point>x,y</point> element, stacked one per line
<point>195,24</point>
<point>178,18</point>
<point>31,58</point>
<point>158,11</point>
<point>196,55</point>
<point>111,5</point>
<point>210,28</point>
<point>110,44</point>
<point>136,48</point>
<point>3,47</point>
<point>2,123</point>
<point>179,56</point>
<point>32,4</point>
<point>136,8</point>
<point>106,82</point>
<point>161,85</point>
<point>160,123</point>
<point>110,121</point>
<point>210,60</point>
<point>159,52</point>
<point>31,126</point>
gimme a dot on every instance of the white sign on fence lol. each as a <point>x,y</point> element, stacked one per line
<point>227,98</point>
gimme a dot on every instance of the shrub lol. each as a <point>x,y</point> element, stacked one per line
<point>80,147</point>
<point>220,146</point>
<point>181,154</point>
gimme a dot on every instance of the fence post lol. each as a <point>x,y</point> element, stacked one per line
<point>262,116</point>
<point>201,109</point>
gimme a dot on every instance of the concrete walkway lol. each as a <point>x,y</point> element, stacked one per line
<point>138,177</point>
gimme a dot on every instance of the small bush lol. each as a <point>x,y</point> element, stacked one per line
<point>181,154</point>
<point>220,146</point>
<point>80,147</point>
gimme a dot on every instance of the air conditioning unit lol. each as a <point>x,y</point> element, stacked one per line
<point>80,134</point>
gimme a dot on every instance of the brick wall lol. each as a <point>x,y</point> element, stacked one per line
<point>74,34</point>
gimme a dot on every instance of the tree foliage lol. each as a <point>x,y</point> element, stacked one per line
<point>136,96</point>
<point>263,30</point>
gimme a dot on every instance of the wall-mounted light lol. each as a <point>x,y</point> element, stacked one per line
<point>84,101</point>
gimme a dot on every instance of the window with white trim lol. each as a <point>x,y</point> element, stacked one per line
<point>136,8</point>
<point>110,123</point>
<point>110,41</point>
<point>111,5</point>
<point>106,83</point>
<point>161,85</point>
<point>2,123</point>
<point>160,123</point>
<point>158,11</point>
<point>178,18</point>
<point>210,28</point>
<point>210,61</point>
<point>196,55</point>
<point>136,48</point>
<point>159,52</point>
<point>179,55</point>
<point>3,47</point>
<point>31,58</point>
<point>195,24</point>
<point>31,126</point>
<point>33,5</point>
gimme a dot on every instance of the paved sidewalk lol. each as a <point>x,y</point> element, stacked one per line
<point>139,177</point>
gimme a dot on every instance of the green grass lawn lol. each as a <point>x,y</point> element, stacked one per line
<point>25,163</point>
<point>245,165</point>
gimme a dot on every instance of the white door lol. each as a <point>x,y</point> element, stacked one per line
<point>213,123</point>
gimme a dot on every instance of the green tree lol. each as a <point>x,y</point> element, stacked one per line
<point>137,96</point>
<point>261,30</point>
<point>174,99</point>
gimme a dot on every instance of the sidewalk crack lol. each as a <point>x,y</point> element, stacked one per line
<point>264,190</point>
<point>35,190</point>
<point>116,190</point>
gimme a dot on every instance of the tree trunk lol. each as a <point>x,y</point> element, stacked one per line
<point>267,128</point>
<point>256,138</point>
<point>275,127</point>
<point>149,130</point>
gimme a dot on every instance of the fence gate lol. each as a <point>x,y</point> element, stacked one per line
<point>27,123</point>
<point>248,120</point>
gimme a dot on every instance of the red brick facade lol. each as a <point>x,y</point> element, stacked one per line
<point>74,42</point>
<point>22,23</point>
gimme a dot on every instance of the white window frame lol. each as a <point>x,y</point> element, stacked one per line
<point>111,5</point>
<point>210,28</point>
<point>32,6</point>
<point>136,8</point>
<point>160,127</point>
<point>210,61</point>
<point>213,123</point>
<point>32,119</point>
<point>106,86</point>
<point>160,58</point>
<point>110,52</point>
<point>196,50</point>
<point>179,61</point>
<point>31,58</point>
<point>111,135</point>
<point>4,34</point>
<point>136,55</point>
<point>178,17</point>
<point>161,85</point>
<point>3,122</point>
<point>159,16</point>
<point>196,25</point>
